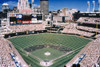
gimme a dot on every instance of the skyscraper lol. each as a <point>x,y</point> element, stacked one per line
<point>44,6</point>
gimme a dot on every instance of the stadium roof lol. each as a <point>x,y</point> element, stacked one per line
<point>5,4</point>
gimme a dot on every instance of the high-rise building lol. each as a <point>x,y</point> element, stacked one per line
<point>23,4</point>
<point>44,5</point>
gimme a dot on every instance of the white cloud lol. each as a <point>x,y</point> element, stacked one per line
<point>35,5</point>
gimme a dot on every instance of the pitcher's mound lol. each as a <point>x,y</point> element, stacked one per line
<point>47,53</point>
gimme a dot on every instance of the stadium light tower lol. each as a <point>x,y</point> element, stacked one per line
<point>88,9</point>
<point>32,3</point>
<point>99,4</point>
<point>93,6</point>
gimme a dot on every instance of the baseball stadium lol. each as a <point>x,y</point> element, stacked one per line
<point>36,37</point>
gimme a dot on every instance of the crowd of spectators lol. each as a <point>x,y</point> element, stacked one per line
<point>90,29</point>
<point>92,55</point>
<point>89,20</point>
<point>72,29</point>
<point>5,58</point>
<point>29,27</point>
<point>5,29</point>
<point>97,36</point>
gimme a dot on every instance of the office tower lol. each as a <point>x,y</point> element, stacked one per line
<point>44,5</point>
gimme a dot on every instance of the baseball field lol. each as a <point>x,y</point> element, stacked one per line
<point>52,50</point>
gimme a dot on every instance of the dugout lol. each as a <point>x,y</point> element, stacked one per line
<point>76,65</point>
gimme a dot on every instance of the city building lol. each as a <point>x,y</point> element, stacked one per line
<point>5,7</point>
<point>44,5</point>
<point>23,5</point>
<point>64,15</point>
<point>67,12</point>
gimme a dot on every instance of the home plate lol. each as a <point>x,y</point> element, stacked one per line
<point>46,63</point>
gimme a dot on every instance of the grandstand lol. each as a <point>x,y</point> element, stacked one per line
<point>91,20</point>
<point>92,51</point>
<point>72,29</point>
<point>30,27</point>
<point>72,43</point>
<point>5,58</point>
<point>89,24</point>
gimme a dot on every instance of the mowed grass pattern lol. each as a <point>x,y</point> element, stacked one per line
<point>72,42</point>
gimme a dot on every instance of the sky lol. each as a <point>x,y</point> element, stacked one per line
<point>80,5</point>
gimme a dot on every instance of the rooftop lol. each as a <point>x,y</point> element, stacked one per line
<point>5,4</point>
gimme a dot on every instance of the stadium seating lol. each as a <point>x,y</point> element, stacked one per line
<point>92,54</point>
<point>89,20</point>
<point>97,36</point>
<point>72,29</point>
<point>90,29</point>
<point>5,58</point>
<point>30,27</point>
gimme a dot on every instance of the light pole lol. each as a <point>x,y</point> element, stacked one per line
<point>32,3</point>
<point>93,6</point>
<point>99,4</point>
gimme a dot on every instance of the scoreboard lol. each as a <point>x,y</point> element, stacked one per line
<point>13,20</point>
<point>18,16</point>
<point>24,19</point>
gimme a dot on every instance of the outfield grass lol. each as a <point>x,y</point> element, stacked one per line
<point>72,42</point>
